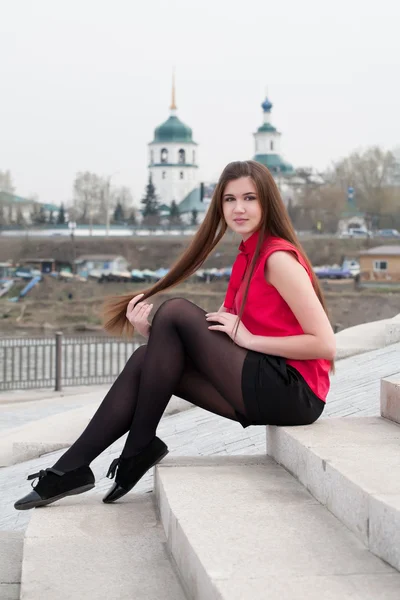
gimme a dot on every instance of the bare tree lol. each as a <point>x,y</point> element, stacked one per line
<point>372,174</point>
<point>89,202</point>
<point>93,196</point>
<point>321,204</point>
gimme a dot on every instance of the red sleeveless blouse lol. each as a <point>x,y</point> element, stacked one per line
<point>266,312</point>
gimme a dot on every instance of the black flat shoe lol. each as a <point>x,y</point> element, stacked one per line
<point>131,469</point>
<point>54,485</point>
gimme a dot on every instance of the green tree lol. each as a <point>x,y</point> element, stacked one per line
<point>119,216</point>
<point>123,196</point>
<point>150,200</point>
<point>151,211</point>
<point>174,216</point>
<point>38,215</point>
<point>132,218</point>
<point>195,214</point>
<point>61,215</point>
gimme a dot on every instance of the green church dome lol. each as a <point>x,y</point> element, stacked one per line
<point>274,163</point>
<point>173,130</point>
<point>266,127</point>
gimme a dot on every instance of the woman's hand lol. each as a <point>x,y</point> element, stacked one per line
<point>227,321</point>
<point>137,313</point>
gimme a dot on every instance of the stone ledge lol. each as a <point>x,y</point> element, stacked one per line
<point>390,398</point>
<point>347,464</point>
<point>392,330</point>
<point>56,432</point>
<point>367,336</point>
<point>236,531</point>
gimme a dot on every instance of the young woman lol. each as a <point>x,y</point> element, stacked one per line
<point>263,358</point>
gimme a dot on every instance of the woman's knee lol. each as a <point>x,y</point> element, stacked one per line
<point>172,310</point>
<point>136,360</point>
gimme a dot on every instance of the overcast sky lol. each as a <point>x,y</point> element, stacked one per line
<point>84,83</point>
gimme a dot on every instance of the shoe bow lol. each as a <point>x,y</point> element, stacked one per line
<point>113,468</point>
<point>42,473</point>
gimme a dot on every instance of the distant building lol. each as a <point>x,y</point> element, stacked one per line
<point>6,269</point>
<point>173,160</point>
<point>351,217</point>
<point>17,210</point>
<point>195,201</point>
<point>267,141</point>
<point>380,264</point>
<point>15,207</point>
<point>44,265</point>
<point>268,152</point>
<point>106,263</point>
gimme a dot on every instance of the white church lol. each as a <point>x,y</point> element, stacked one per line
<point>173,158</point>
<point>173,162</point>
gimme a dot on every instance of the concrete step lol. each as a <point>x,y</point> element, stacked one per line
<point>82,548</point>
<point>243,528</point>
<point>352,466</point>
<point>11,545</point>
<point>390,398</point>
<point>56,432</point>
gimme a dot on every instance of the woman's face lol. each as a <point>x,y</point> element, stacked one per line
<point>241,206</point>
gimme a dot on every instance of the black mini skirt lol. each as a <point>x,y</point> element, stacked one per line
<point>275,393</point>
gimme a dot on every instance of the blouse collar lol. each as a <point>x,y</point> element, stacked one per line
<point>246,251</point>
<point>248,247</point>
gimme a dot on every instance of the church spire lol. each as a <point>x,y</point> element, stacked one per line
<point>173,102</point>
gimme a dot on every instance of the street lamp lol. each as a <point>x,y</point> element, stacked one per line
<point>108,186</point>
<point>72,227</point>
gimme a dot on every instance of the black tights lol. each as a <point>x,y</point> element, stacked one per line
<point>182,357</point>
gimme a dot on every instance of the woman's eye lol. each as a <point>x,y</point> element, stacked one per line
<point>250,197</point>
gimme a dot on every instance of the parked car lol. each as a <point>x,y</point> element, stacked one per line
<point>332,273</point>
<point>388,233</point>
<point>356,233</point>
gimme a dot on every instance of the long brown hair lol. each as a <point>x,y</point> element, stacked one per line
<point>275,221</point>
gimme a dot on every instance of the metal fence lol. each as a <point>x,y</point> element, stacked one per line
<point>57,361</point>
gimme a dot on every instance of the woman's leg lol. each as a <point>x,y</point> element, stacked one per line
<point>111,420</point>
<point>169,369</point>
<point>180,332</point>
<point>116,413</point>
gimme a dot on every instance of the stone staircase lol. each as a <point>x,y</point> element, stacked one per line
<point>317,517</point>
<point>256,533</point>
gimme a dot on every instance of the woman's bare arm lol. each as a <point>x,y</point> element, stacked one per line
<point>286,274</point>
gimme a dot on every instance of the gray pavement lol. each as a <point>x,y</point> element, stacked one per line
<point>21,407</point>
